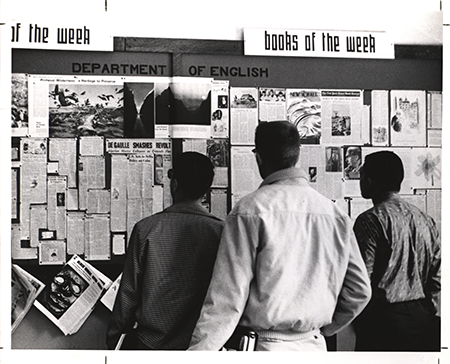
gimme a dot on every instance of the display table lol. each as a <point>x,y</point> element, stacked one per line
<point>37,332</point>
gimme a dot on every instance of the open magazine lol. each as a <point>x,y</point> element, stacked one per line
<point>24,290</point>
<point>71,296</point>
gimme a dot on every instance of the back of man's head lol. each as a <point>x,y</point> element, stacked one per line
<point>194,173</point>
<point>385,169</point>
<point>278,142</point>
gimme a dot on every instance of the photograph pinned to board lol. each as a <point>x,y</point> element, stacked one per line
<point>380,117</point>
<point>426,167</point>
<point>304,110</point>
<point>19,104</point>
<point>139,109</point>
<point>218,151</point>
<point>244,115</point>
<point>244,98</point>
<point>352,162</point>
<point>81,109</point>
<point>272,104</point>
<point>52,252</point>
<point>342,117</point>
<point>340,121</point>
<point>333,159</point>
<point>408,118</point>
<point>183,108</point>
<point>220,112</point>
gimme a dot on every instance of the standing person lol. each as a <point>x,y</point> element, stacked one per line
<point>288,264</point>
<point>401,248</point>
<point>169,263</point>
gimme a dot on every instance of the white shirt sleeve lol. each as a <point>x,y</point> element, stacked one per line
<point>230,284</point>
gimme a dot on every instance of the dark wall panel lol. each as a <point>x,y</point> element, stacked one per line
<point>241,71</point>
<point>318,72</point>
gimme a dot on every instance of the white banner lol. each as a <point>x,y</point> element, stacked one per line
<point>317,43</point>
<point>43,35</point>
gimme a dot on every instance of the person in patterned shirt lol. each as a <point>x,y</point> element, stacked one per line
<point>401,248</point>
<point>169,264</point>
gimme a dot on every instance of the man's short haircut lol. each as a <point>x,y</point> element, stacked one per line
<point>194,173</point>
<point>278,142</point>
<point>385,169</point>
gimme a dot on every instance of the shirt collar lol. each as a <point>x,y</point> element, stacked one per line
<point>285,174</point>
<point>189,208</point>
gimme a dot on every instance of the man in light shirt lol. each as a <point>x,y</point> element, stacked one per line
<point>288,265</point>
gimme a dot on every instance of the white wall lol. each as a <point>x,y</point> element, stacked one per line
<point>408,22</point>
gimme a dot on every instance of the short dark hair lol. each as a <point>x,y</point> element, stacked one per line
<point>385,169</point>
<point>278,142</point>
<point>194,173</point>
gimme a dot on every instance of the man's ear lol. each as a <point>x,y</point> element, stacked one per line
<point>258,159</point>
<point>369,182</point>
<point>368,186</point>
<point>174,183</point>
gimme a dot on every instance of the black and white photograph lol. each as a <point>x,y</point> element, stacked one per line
<point>217,151</point>
<point>159,161</point>
<point>352,162</point>
<point>85,110</point>
<point>408,117</point>
<point>183,103</point>
<point>222,102</point>
<point>60,199</point>
<point>64,289</point>
<point>312,172</point>
<point>253,177</point>
<point>139,110</point>
<point>304,110</point>
<point>244,99</point>
<point>341,121</point>
<point>333,159</point>
<point>19,104</point>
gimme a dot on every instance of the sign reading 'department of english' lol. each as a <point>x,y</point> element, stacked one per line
<point>42,35</point>
<point>317,43</point>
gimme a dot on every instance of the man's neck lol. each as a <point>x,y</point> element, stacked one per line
<point>379,198</point>
<point>183,199</point>
<point>270,170</point>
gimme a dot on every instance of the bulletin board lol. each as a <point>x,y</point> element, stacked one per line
<point>80,177</point>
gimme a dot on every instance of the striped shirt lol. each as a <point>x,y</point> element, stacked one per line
<point>401,248</point>
<point>167,271</point>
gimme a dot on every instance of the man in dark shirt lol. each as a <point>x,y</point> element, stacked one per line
<point>169,263</point>
<point>400,246</point>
